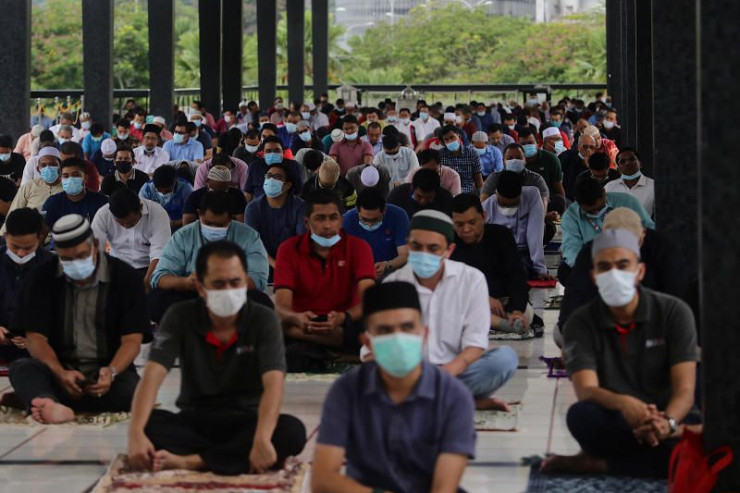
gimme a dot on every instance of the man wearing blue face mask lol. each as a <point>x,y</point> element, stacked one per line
<point>455,307</point>
<point>547,165</point>
<point>169,191</point>
<point>463,159</point>
<point>85,317</point>
<point>75,198</point>
<point>402,396</point>
<point>491,158</point>
<point>304,138</point>
<point>383,226</point>
<point>174,278</point>
<point>289,129</point>
<point>584,219</point>
<point>182,147</point>
<point>273,152</point>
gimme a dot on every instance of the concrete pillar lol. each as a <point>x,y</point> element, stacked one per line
<point>97,53</point>
<point>15,78</point>
<point>320,38</point>
<point>232,53</point>
<point>161,57</point>
<point>209,14</point>
<point>266,49</point>
<point>296,11</point>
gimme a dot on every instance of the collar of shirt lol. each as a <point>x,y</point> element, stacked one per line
<point>424,388</point>
<point>221,346</point>
<point>642,314</point>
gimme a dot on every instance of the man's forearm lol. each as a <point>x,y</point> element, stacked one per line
<point>680,404</point>
<point>339,483</point>
<point>145,396</point>
<point>42,351</point>
<point>600,396</point>
<point>463,360</point>
<point>170,281</point>
<point>269,408</point>
<point>126,354</point>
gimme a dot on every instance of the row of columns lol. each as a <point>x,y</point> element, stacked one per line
<point>220,29</point>
<point>673,69</point>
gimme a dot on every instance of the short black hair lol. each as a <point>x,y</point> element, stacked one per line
<point>588,190</point>
<point>349,119</point>
<point>627,149</point>
<point>374,125</point>
<point>269,126</point>
<point>447,129</point>
<point>495,127</point>
<point>322,197</point>
<point>222,249</point>
<point>252,134</point>
<point>123,148</point>
<point>24,221</point>
<point>6,141</point>
<point>181,123</point>
<point>390,141</point>
<point>74,162</point>
<point>124,202</point>
<point>71,148</point>
<point>513,145</point>
<point>426,180</point>
<point>190,127</point>
<point>164,176</point>
<point>391,130</point>
<point>370,199</point>
<point>222,159</point>
<point>599,161</point>
<point>526,132</point>
<point>428,155</point>
<point>97,129</point>
<point>313,159</point>
<point>465,201</point>
<point>123,123</point>
<point>509,184</point>
<point>218,203</point>
<point>273,139</point>
<point>509,116</point>
<point>46,136</point>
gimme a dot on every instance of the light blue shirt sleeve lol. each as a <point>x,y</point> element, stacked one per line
<point>86,142</point>
<point>617,199</point>
<point>572,236</point>
<point>257,266</point>
<point>197,150</point>
<point>174,258</point>
<point>498,159</point>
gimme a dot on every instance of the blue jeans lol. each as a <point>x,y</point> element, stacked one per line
<point>490,372</point>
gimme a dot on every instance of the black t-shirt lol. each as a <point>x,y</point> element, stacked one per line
<point>111,185</point>
<point>573,166</point>
<point>7,193</point>
<point>497,257</point>
<point>13,168</point>
<point>238,202</point>
<point>235,380</point>
<point>402,196</point>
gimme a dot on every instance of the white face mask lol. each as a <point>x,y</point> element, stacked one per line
<point>226,302</point>
<point>20,260</point>
<point>508,211</point>
<point>616,287</point>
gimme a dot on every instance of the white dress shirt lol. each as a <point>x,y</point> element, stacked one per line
<point>643,190</point>
<point>399,165</point>
<point>422,129</point>
<point>148,164</point>
<point>319,121</point>
<point>137,246</point>
<point>457,312</point>
<point>77,134</point>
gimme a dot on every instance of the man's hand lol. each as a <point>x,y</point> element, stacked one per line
<point>7,340</point>
<point>303,320</point>
<point>140,452</point>
<point>381,268</point>
<point>102,386</point>
<point>454,367</point>
<point>263,456</point>
<point>517,315</point>
<point>496,307</point>
<point>334,320</point>
<point>188,283</point>
<point>68,380</point>
<point>635,411</point>
<point>553,216</point>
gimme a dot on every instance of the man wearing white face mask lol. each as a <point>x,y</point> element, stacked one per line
<point>174,278</point>
<point>631,355</point>
<point>21,254</point>
<point>85,317</point>
<point>233,360</point>
<point>455,307</point>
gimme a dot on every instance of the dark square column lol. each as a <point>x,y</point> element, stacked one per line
<point>266,50</point>
<point>614,48</point>
<point>161,57</point>
<point>15,60</point>
<point>296,10</point>
<point>320,39</point>
<point>97,53</point>
<point>209,14</point>
<point>627,55</point>
<point>644,76</point>
<point>719,201</point>
<point>232,53</point>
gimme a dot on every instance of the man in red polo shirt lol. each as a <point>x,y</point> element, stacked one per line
<point>320,277</point>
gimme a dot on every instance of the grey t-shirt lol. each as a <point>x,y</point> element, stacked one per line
<point>231,381</point>
<point>529,179</point>
<point>639,363</point>
<point>354,176</point>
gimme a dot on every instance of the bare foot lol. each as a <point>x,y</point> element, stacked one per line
<point>573,464</point>
<point>48,411</point>
<point>164,460</point>
<point>491,404</point>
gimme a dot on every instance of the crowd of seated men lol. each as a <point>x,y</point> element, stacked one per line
<point>270,241</point>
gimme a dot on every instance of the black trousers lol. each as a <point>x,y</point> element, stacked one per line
<point>605,434</point>
<point>223,441</point>
<point>31,379</point>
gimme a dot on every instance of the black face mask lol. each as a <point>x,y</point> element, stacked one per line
<point>123,167</point>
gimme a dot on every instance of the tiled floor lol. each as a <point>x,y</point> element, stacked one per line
<point>67,460</point>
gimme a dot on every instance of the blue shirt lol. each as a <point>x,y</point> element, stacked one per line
<point>275,225</point>
<point>491,161</point>
<point>385,240</point>
<point>286,137</point>
<point>174,206</point>
<point>104,166</point>
<point>90,146</point>
<point>395,446</point>
<point>258,169</point>
<point>179,255</point>
<point>59,205</point>
<point>184,152</point>
<point>579,229</point>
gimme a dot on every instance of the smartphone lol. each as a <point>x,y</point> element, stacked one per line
<point>88,380</point>
<point>320,318</point>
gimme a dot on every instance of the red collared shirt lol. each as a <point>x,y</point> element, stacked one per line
<point>221,346</point>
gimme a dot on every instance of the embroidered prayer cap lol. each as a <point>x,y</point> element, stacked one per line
<point>431,220</point>
<point>480,137</point>
<point>49,151</point>
<point>108,147</point>
<point>624,218</point>
<point>70,230</point>
<point>219,173</point>
<point>616,238</point>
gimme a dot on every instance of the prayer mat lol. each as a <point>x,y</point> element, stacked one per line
<point>119,480</point>
<point>555,367</point>
<point>560,483</point>
<point>542,284</point>
<point>498,420</point>
<point>12,418</point>
<point>499,335</point>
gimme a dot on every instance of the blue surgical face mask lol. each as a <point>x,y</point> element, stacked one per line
<point>481,113</point>
<point>72,185</point>
<point>178,138</point>
<point>50,174</point>
<point>391,119</point>
<point>559,146</point>
<point>371,227</point>
<point>424,265</point>
<point>530,150</point>
<point>325,242</point>
<point>350,136</point>
<point>197,123</point>
<point>85,125</point>
<point>211,233</point>
<point>273,157</point>
<point>122,136</point>
<point>423,115</point>
<point>632,177</point>
<point>79,269</point>
<point>405,121</point>
<point>272,187</point>
<point>5,157</point>
<point>599,214</point>
<point>62,140</point>
<point>397,354</point>
<point>97,139</point>
<point>164,198</point>
<point>515,165</point>
<point>453,146</point>
<point>290,127</point>
<point>305,115</point>
<point>556,124</point>
<point>305,136</point>
<point>137,125</point>
<point>480,151</point>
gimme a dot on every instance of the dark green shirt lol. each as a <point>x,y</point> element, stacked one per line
<point>547,164</point>
<point>235,380</point>
<point>664,336</point>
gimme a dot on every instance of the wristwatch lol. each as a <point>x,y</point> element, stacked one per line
<point>113,373</point>
<point>673,424</point>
